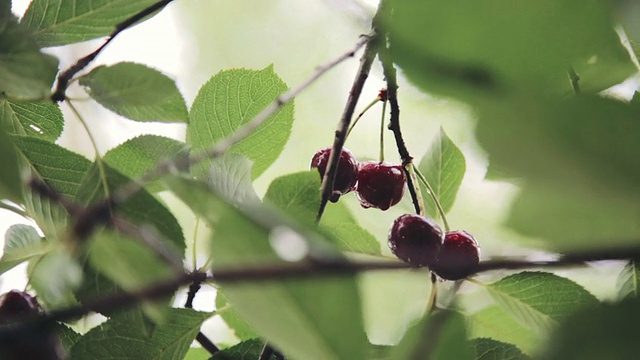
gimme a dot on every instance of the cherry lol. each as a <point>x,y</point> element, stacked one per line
<point>380,184</point>
<point>16,303</point>
<point>458,257</point>
<point>415,239</point>
<point>347,174</point>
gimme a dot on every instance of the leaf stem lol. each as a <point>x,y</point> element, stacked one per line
<point>14,209</point>
<point>194,257</point>
<point>575,80</point>
<point>434,197</point>
<point>410,169</point>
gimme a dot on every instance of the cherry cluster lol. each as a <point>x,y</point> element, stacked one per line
<point>378,184</point>
<point>413,238</point>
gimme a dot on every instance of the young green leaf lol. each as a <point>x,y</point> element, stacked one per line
<point>441,335</point>
<point>21,243</point>
<point>606,332</point>
<point>299,196</point>
<point>136,156</point>
<point>489,349</point>
<point>37,119</point>
<point>540,300</point>
<point>136,92</point>
<point>61,22</point>
<point>114,340</point>
<point>628,281</point>
<point>230,176</point>
<point>54,277</point>
<point>496,323</point>
<point>10,182</point>
<point>246,350</point>
<point>443,165</point>
<point>241,329</point>
<point>232,98</point>
<point>197,353</point>
<point>25,72</point>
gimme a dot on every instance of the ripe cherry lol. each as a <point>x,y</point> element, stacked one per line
<point>380,184</point>
<point>458,257</point>
<point>347,174</point>
<point>415,239</point>
<point>16,303</point>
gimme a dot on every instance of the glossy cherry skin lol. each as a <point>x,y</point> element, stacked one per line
<point>458,257</point>
<point>380,184</point>
<point>16,303</point>
<point>347,174</point>
<point>415,239</point>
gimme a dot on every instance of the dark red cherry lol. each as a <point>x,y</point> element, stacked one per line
<point>380,184</point>
<point>458,257</point>
<point>17,303</point>
<point>415,239</point>
<point>347,174</point>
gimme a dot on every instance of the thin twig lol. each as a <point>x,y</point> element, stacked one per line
<point>366,61</point>
<point>201,338</point>
<point>66,76</point>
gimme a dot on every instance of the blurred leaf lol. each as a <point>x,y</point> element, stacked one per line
<point>54,277</point>
<point>136,92</point>
<point>246,350</point>
<point>489,349</point>
<point>494,322</point>
<point>241,329</point>
<point>299,196</point>
<point>61,22</point>
<point>540,300</point>
<point>21,243</point>
<point>5,14</point>
<point>576,157</point>
<point>10,182</point>
<point>295,315</point>
<point>441,335</point>
<point>606,332</point>
<point>507,47</point>
<point>142,208</point>
<point>232,98</point>
<point>130,265</point>
<point>197,353</point>
<point>25,72</point>
<point>37,119</point>
<point>443,165</point>
<point>136,156</point>
<point>230,175</point>
<point>114,340</point>
<point>628,281</point>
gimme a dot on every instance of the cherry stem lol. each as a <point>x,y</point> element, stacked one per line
<point>433,196</point>
<point>384,109</point>
<point>433,295</point>
<point>360,115</point>
<point>410,169</point>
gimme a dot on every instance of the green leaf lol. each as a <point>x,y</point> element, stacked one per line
<point>540,300</point>
<point>141,208</point>
<point>574,157</point>
<point>232,98</point>
<point>628,281</point>
<point>67,336</point>
<point>25,72</point>
<point>10,182</point>
<point>439,54</point>
<point>246,350</point>
<point>489,349</point>
<point>443,166</point>
<point>54,277</point>
<point>136,92</point>
<point>130,265</point>
<point>197,353</point>
<point>295,315</point>
<point>21,243</point>
<point>136,156</point>
<point>114,340</point>
<point>441,335</point>
<point>607,332</point>
<point>494,322</point>
<point>62,170</point>
<point>227,312</point>
<point>61,22</point>
<point>37,119</point>
<point>299,196</point>
<point>230,176</point>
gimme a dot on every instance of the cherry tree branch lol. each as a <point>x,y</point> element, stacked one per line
<point>201,338</point>
<point>63,79</point>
